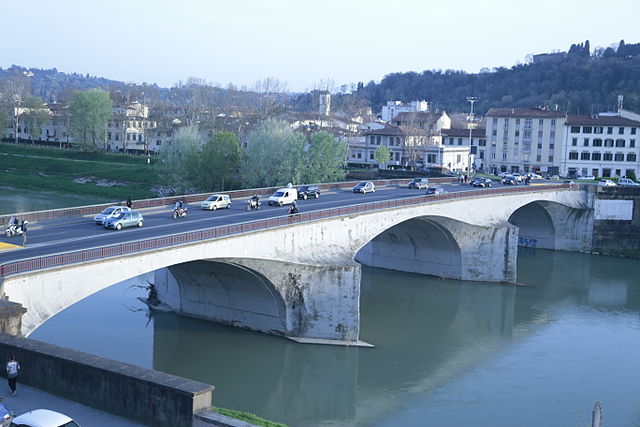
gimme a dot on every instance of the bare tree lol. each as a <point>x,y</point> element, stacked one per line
<point>15,89</point>
<point>269,95</point>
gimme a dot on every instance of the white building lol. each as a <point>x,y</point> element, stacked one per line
<point>524,140</point>
<point>476,144</point>
<point>393,108</point>
<point>603,145</point>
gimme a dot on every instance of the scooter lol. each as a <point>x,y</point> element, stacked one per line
<point>179,213</point>
<point>253,204</point>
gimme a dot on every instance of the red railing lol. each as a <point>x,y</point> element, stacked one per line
<point>91,254</point>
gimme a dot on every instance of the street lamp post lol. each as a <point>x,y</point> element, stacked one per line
<point>471,100</point>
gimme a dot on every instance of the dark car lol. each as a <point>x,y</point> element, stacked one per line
<point>419,183</point>
<point>510,180</point>
<point>306,191</point>
<point>435,191</point>
<point>481,182</point>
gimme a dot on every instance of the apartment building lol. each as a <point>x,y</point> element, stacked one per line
<point>476,143</point>
<point>602,145</point>
<point>524,140</point>
<point>393,108</point>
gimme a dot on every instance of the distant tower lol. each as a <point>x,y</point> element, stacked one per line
<point>324,102</point>
<point>620,99</point>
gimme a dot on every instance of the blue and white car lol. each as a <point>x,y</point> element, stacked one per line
<point>364,187</point>
<point>125,219</point>
<point>110,212</point>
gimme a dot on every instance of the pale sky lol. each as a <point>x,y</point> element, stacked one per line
<point>296,41</point>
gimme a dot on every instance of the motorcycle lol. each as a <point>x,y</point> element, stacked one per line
<point>179,213</point>
<point>253,204</point>
<point>14,229</point>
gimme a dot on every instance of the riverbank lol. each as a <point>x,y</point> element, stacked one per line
<point>101,175</point>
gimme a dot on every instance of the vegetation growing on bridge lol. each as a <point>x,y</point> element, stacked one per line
<point>248,417</point>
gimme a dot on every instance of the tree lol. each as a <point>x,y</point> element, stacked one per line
<point>383,155</point>
<point>89,113</point>
<point>177,162</point>
<point>14,89</point>
<point>34,116</point>
<point>325,158</point>
<point>217,162</point>
<point>273,156</point>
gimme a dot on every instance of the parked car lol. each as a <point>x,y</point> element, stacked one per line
<point>626,182</point>
<point>216,201</point>
<point>306,191</point>
<point>481,182</point>
<point>124,220</point>
<point>509,180</point>
<point>43,418</point>
<point>435,191</point>
<point>419,183</point>
<point>606,183</point>
<point>587,178</point>
<point>364,187</point>
<point>110,212</point>
<point>503,174</point>
<point>283,196</point>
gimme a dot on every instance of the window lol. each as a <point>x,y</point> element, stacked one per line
<point>629,172</point>
<point>552,134</point>
<point>431,158</point>
<point>506,123</point>
<point>633,131</point>
<point>541,122</point>
<point>482,155</point>
<point>585,155</point>
<point>495,121</point>
<point>631,157</point>
<point>619,157</point>
<point>608,142</point>
<point>158,142</point>
<point>607,157</point>
<point>494,132</point>
<point>609,130</point>
<point>359,155</point>
<point>597,156</point>
<point>128,137</point>
<point>620,143</point>
<point>574,141</point>
<point>585,142</point>
<point>617,172</point>
<point>482,143</point>
<point>597,142</point>
<point>517,133</point>
<point>575,129</point>
<point>540,134</point>
<point>550,159</point>
<point>459,141</point>
<point>493,155</point>
<point>606,173</point>
<point>539,145</point>
<point>538,158</point>
<point>632,143</point>
<point>573,155</point>
<point>620,131</point>
<point>504,156</point>
<point>378,140</point>
<point>527,135</point>
<point>586,129</point>
<point>598,129</point>
<point>553,122</point>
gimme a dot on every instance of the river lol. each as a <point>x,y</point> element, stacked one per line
<point>12,201</point>
<point>448,353</point>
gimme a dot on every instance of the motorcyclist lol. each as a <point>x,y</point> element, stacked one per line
<point>179,205</point>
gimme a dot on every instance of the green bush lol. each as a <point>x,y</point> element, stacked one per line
<point>248,417</point>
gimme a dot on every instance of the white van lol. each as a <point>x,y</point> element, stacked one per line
<point>283,196</point>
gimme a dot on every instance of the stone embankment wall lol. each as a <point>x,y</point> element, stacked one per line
<point>617,219</point>
<point>139,394</point>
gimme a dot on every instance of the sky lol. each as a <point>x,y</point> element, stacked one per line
<point>304,44</point>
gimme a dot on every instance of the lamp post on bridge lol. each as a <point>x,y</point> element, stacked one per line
<point>471,100</point>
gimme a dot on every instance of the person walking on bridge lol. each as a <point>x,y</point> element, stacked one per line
<point>24,232</point>
<point>12,374</point>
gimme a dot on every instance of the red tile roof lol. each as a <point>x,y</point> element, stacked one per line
<point>601,121</point>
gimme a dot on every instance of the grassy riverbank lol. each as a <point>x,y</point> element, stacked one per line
<point>248,417</point>
<point>102,175</point>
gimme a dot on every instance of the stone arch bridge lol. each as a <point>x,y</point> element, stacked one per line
<point>300,277</point>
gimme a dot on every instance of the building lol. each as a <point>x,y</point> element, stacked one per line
<point>476,143</point>
<point>129,129</point>
<point>602,145</point>
<point>524,140</point>
<point>393,108</point>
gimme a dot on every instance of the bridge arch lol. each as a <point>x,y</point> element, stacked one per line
<point>423,245</point>
<point>536,228</point>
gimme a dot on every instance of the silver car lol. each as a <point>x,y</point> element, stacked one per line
<point>110,212</point>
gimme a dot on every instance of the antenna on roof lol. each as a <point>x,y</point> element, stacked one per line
<point>620,100</point>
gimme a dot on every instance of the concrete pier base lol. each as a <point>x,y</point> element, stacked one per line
<point>275,297</point>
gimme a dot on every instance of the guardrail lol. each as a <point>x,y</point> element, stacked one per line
<point>92,254</point>
<point>189,198</point>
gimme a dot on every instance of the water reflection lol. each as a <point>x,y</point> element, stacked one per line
<point>445,350</point>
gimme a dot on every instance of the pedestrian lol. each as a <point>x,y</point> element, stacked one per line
<point>24,232</point>
<point>13,367</point>
<point>129,202</point>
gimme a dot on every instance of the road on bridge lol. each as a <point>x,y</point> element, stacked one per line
<point>56,236</point>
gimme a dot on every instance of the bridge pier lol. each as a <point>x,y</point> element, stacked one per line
<point>446,248</point>
<point>308,303</point>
